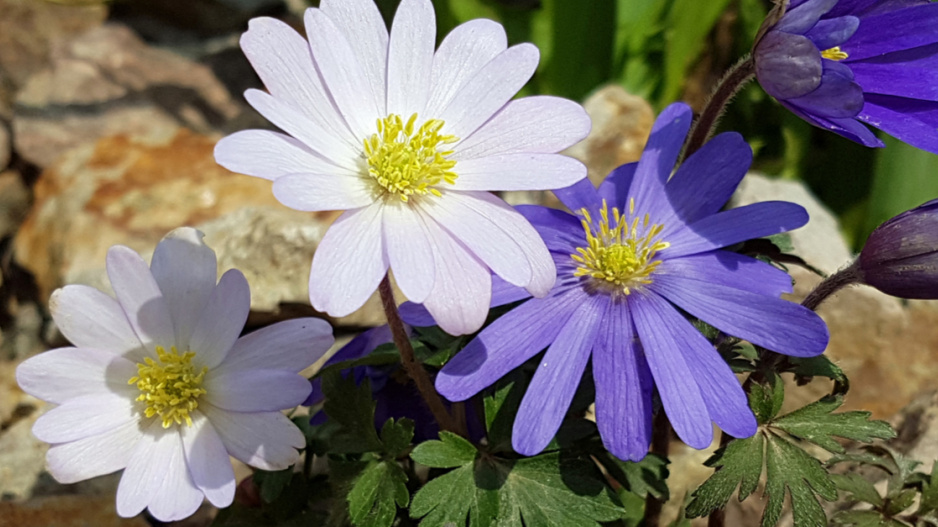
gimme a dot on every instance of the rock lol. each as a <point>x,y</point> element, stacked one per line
<point>107,82</point>
<point>67,511</point>
<point>14,202</point>
<point>6,146</point>
<point>22,456</point>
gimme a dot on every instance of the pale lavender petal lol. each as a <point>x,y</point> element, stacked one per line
<point>581,195</point>
<point>773,323</point>
<point>349,262</point>
<point>676,381</point>
<point>489,90</point>
<point>92,319</point>
<point>311,192</point>
<point>361,22</point>
<point>459,301</point>
<point>658,159</point>
<point>290,345</point>
<point>502,293</point>
<point>518,172</point>
<point>555,382</point>
<point>208,462</point>
<point>506,344</point>
<point>729,269</point>
<point>268,155</point>
<point>93,456</point>
<point>540,124</point>
<point>140,297</point>
<point>266,440</point>
<point>61,374</point>
<point>334,154</point>
<point>85,416</point>
<point>409,250</point>
<point>283,61</point>
<point>464,51</point>
<point>624,386</point>
<point>359,102</point>
<point>255,390</point>
<point>223,319</point>
<point>410,57</point>
<point>185,270</point>
<point>157,477</point>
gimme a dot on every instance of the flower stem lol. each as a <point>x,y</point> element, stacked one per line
<point>414,370</point>
<point>660,444</point>
<point>832,284</point>
<point>734,80</point>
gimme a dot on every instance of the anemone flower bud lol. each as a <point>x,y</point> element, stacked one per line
<point>901,256</point>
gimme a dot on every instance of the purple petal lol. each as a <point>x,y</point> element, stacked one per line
<point>208,461</point>
<point>92,319</point>
<point>580,195</point>
<point>506,344</point>
<point>909,120</point>
<point>222,320</point>
<point>502,293</point>
<point>561,231</point>
<point>410,57</point>
<point>837,97</point>
<point>848,128</point>
<point>61,374</point>
<point>615,188</point>
<point>894,31</point>
<point>912,73</point>
<point>266,440</point>
<point>623,387</point>
<point>256,390</point>
<point>555,382</point>
<point>93,456</point>
<point>729,269</point>
<point>363,344</point>
<point>140,297</point>
<point>833,31</point>
<point>805,16</point>
<point>657,162</point>
<point>787,65</point>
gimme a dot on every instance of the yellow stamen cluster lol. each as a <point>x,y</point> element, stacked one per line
<point>621,251</point>
<point>170,387</point>
<point>834,53</point>
<point>406,160</point>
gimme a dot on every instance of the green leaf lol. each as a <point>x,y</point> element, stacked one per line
<point>501,407</point>
<point>451,451</point>
<point>766,398</point>
<point>689,22</point>
<point>353,409</point>
<point>929,501</point>
<point>857,488</point>
<point>376,494</point>
<point>806,369</point>
<point>865,519</point>
<point>271,484</point>
<point>792,469</point>
<point>739,463</point>
<point>396,436</point>
<point>648,476</point>
<point>456,496</point>
<point>902,501</point>
<point>816,423</point>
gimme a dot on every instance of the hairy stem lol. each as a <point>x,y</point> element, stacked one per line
<point>660,444</point>
<point>733,81</point>
<point>832,284</point>
<point>414,369</point>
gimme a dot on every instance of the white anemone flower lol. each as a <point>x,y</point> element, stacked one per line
<point>408,141</point>
<point>160,384</point>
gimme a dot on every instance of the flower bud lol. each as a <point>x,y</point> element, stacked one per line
<point>901,256</point>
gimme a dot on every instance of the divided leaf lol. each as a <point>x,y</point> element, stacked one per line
<point>353,409</point>
<point>376,494</point>
<point>739,463</point>
<point>816,423</point>
<point>789,467</point>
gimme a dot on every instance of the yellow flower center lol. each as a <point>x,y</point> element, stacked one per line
<point>620,251</point>
<point>170,387</point>
<point>834,54</point>
<point>406,160</point>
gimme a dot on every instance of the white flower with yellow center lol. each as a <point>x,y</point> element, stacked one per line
<point>160,384</point>
<point>408,141</point>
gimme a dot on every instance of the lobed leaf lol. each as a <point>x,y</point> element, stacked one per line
<point>816,423</point>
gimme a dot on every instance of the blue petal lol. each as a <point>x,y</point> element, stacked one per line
<point>910,120</point>
<point>556,379</point>
<point>623,387</point>
<point>502,293</point>
<point>615,188</point>
<point>770,322</point>
<point>849,128</point>
<point>787,65</point>
<point>504,345</point>
<point>851,7</point>
<point>833,32</point>
<point>581,194</point>
<point>837,97</point>
<point>658,159</point>
<point>729,269</point>
<point>803,17</point>
<point>894,31</point>
<point>734,226</point>
<point>561,231</point>
<point>363,344</point>
<point>912,73</point>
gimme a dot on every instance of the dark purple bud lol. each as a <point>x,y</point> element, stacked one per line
<point>901,256</point>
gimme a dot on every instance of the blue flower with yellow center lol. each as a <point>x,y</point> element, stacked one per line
<point>841,63</point>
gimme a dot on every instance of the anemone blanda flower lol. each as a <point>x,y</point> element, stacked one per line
<point>837,64</point>
<point>408,142</point>
<point>638,246</point>
<point>170,322</point>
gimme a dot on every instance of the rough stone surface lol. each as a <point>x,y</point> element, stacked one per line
<point>67,511</point>
<point>6,147</point>
<point>107,82</point>
<point>14,202</point>
<point>22,456</point>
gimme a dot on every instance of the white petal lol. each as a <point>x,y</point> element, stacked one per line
<point>266,440</point>
<point>489,90</point>
<point>208,461</point>
<point>268,155</point>
<point>460,214</point>
<point>349,262</point>
<point>290,345</point>
<point>61,374</point>
<point>310,192</point>
<point>185,270</point>
<point>362,24</point>
<point>93,456</point>
<point>92,319</point>
<point>283,61</point>
<point>157,477</point>
<point>519,172</point>
<point>222,319</point>
<point>336,156</point>
<point>141,298</point>
<point>256,390</point>
<point>410,57</point>
<point>461,55</point>
<point>462,290</point>
<point>409,250</point>
<point>85,416</point>
<point>358,101</point>
<point>541,124</point>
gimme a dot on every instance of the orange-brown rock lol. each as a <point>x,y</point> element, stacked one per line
<point>66,511</point>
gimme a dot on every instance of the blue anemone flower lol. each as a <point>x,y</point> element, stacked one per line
<point>635,251</point>
<point>840,63</point>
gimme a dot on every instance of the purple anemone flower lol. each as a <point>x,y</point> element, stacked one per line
<point>635,251</point>
<point>900,257</point>
<point>840,63</point>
